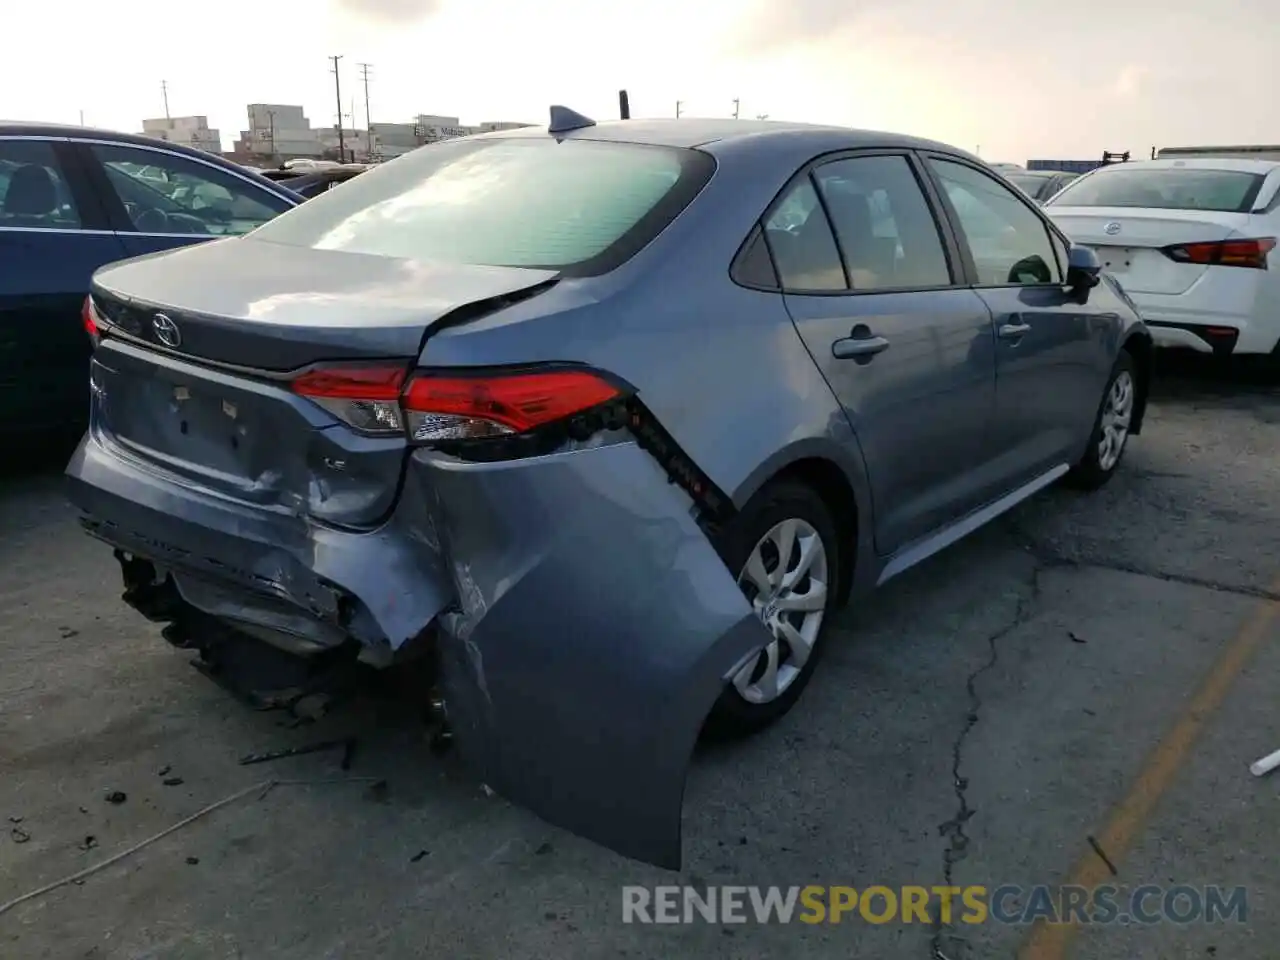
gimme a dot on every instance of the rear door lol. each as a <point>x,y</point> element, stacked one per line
<point>1052,353</point>
<point>159,200</point>
<point>907,351</point>
<point>53,234</point>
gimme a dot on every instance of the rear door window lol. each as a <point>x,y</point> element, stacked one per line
<point>887,233</point>
<point>165,193</point>
<point>1009,243</point>
<point>574,205</point>
<point>803,246</point>
<point>34,193</point>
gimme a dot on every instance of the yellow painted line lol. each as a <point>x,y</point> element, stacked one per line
<point>1129,817</point>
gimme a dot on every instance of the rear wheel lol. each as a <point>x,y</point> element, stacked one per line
<point>1110,428</point>
<point>783,549</point>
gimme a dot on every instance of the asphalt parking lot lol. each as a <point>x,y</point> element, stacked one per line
<point>1092,666</point>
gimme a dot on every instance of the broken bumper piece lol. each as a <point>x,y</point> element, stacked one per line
<point>585,623</point>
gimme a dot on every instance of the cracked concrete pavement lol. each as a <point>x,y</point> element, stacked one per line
<point>973,723</point>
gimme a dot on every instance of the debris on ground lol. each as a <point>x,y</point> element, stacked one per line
<point>1075,638</point>
<point>1264,766</point>
<point>378,792</point>
<point>173,781</point>
<point>78,878</point>
<point>192,861</point>
<point>19,835</point>
<point>68,632</point>
<point>116,796</point>
<point>1102,855</point>
<point>164,771</point>
<point>311,707</point>
<point>16,819</point>
<point>419,855</point>
<point>543,850</point>
<point>88,843</point>
<point>252,758</point>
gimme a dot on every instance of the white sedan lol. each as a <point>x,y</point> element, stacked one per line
<point>1193,242</point>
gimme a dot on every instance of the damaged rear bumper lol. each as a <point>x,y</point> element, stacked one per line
<point>584,622</point>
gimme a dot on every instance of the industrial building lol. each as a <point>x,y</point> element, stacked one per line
<point>278,131</point>
<point>188,131</point>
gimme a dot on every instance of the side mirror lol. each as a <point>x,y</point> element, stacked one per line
<point>1084,270</point>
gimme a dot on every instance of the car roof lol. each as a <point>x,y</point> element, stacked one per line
<point>36,128</point>
<point>695,132</point>
<point>1199,163</point>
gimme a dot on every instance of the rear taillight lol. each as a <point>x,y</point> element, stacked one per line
<point>431,407</point>
<point>442,407</point>
<point>366,398</point>
<point>1224,253</point>
<point>89,317</point>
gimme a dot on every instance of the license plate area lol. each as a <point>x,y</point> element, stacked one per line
<point>188,425</point>
<point>1116,259</point>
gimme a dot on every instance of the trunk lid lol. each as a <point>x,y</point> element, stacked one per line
<point>213,406</point>
<point>1131,250</point>
<point>271,307</point>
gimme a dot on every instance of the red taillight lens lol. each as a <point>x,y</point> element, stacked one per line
<point>366,398</point>
<point>89,317</point>
<point>1224,253</point>
<point>459,408</point>
<point>376,400</point>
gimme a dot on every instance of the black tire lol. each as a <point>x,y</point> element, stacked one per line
<point>734,716</point>
<point>1089,473</point>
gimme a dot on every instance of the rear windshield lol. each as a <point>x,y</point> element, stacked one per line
<point>573,205</point>
<point>1028,183</point>
<point>1163,189</point>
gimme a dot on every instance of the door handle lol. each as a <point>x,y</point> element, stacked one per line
<point>1014,331</point>
<point>858,348</point>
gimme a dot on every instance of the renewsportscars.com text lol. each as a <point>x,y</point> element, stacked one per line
<point>1008,904</point>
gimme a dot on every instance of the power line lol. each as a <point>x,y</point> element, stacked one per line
<point>337,90</point>
<point>368,123</point>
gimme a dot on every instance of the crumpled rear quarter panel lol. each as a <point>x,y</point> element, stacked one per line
<point>596,628</point>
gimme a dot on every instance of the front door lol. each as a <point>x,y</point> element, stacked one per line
<point>868,280</point>
<point>161,199</point>
<point>53,235</point>
<point>1051,351</point>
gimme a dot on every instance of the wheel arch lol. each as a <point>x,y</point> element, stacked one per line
<point>837,476</point>
<point>1140,346</point>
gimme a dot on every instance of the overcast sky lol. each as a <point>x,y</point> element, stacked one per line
<point>1060,79</point>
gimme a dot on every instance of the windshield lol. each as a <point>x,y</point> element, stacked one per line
<point>1163,188</point>
<point>574,205</point>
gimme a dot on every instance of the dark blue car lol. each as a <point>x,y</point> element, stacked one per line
<point>71,200</point>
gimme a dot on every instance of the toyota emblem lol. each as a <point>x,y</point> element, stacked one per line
<point>166,331</point>
<point>1111,229</point>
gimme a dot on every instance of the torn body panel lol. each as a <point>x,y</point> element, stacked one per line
<point>382,587</point>
<point>596,627</point>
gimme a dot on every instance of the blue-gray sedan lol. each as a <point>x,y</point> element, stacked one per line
<point>606,419</point>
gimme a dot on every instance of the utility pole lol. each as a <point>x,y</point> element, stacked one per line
<point>164,92</point>
<point>679,107</point>
<point>735,108</point>
<point>271,133</point>
<point>368,123</point>
<point>337,91</point>
<point>82,118</point>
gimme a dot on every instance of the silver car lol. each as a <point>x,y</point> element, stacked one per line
<point>604,419</point>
